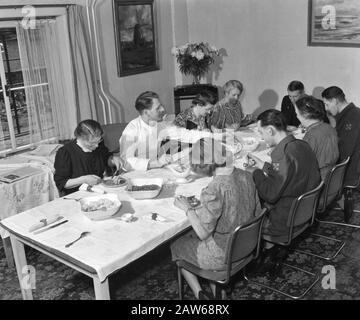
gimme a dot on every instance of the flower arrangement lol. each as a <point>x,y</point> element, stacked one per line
<point>195,59</point>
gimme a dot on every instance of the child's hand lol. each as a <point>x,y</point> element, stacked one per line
<point>182,203</point>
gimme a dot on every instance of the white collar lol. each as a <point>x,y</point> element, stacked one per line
<point>143,123</point>
<point>83,148</point>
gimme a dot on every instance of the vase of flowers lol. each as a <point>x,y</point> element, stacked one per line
<point>195,59</point>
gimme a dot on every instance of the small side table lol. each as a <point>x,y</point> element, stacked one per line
<point>188,92</point>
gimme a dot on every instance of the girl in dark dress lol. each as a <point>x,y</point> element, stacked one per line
<point>84,159</point>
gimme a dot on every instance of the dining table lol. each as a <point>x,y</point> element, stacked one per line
<point>111,243</point>
<point>106,246</point>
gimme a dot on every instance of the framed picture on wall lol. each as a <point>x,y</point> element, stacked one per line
<point>135,36</point>
<point>334,23</point>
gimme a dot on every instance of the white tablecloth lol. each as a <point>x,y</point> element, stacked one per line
<point>29,192</point>
<point>112,243</point>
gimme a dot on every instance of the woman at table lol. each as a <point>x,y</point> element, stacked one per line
<point>321,136</point>
<point>84,159</point>
<point>227,113</point>
<point>229,200</point>
<point>195,117</point>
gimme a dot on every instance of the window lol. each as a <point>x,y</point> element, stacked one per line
<point>14,118</point>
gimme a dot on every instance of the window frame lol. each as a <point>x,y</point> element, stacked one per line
<point>9,19</point>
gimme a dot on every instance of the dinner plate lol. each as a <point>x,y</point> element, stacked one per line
<point>110,184</point>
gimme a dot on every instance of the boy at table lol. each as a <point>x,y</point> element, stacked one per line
<point>293,171</point>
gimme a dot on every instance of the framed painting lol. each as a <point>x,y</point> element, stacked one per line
<point>334,23</point>
<point>135,36</point>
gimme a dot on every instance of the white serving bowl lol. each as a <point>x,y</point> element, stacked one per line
<point>144,194</point>
<point>96,201</point>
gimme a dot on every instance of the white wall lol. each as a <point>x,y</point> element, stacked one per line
<point>266,46</point>
<point>123,91</point>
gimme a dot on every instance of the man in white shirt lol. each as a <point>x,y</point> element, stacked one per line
<point>140,141</point>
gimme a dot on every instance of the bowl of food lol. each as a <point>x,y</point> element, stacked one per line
<point>179,170</point>
<point>249,144</point>
<point>144,188</point>
<point>101,206</point>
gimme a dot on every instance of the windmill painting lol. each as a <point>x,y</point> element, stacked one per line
<point>136,43</point>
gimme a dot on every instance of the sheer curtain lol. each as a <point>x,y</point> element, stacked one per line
<point>44,81</point>
<point>81,61</point>
<point>2,136</point>
<point>4,144</point>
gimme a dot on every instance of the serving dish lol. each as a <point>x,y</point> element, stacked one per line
<point>100,207</point>
<point>144,188</point>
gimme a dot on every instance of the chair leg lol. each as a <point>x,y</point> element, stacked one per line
<point>341,223</point>
<point>180,283</point>
<point>313,275</point>
<point>348,212</point>
<point>320,256</point>
<point>348,205</point>
<point>220,291</point>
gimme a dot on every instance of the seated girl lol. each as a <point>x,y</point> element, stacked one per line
<point>229,200</point>
<point>195,117</point>
<point>84,159</point>
<point>227,113</point>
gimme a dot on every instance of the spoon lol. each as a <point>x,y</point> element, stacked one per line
<point>82,235</point>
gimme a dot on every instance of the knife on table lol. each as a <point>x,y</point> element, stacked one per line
<point>44,222</point>
<point>50,227</point>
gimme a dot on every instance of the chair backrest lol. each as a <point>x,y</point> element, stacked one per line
<point>303,208</point>
<point>245,240</point>
<point>112,134</point>
<point>333,185</point>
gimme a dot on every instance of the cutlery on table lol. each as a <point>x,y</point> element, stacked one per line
<point>76,199</point>
<point>115,173</point>
<point>45,222</point>
<point>82,235</point>
<point>50,227</point>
